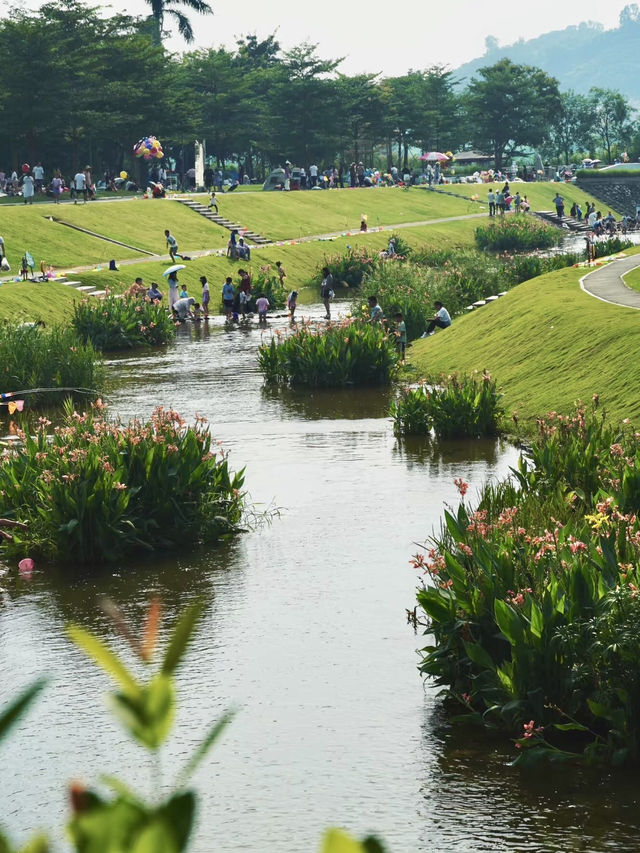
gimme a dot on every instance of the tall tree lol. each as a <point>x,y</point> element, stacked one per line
<point>160,9</point>
<point>510,106</point>
<point>611,114</point>
<point>571,129</point>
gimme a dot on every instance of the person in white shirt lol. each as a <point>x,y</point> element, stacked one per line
<point>38,176</point>
<point>28,189</point>
<point>313,175</point>
<point>441,319</point>
<point>79,185</point>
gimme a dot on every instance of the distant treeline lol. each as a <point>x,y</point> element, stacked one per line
<point>80,89</point>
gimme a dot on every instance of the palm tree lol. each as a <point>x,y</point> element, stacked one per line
<point>162,8</point>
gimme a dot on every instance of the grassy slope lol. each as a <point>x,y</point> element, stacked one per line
<point>632,279</point>
<point>137,223</point>
<point>46,301</point>
<point>300,260</point>
<point>540,195</point>
<point>298,214</point>
<point>549,344</point>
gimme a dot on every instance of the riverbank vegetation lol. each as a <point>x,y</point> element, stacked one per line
<point>49,358</point>
<point>97,490</point>
<point>350,352</point>
<point>114,323</point>
<point>451,406</point>
<point>532,596</point>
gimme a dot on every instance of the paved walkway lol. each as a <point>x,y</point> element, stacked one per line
<point>606,283</point>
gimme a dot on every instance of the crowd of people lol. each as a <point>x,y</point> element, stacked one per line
<point>32,182</point>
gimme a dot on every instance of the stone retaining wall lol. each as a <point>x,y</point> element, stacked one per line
<point>615,193</point>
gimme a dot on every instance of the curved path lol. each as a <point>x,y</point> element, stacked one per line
<point>605,283</point>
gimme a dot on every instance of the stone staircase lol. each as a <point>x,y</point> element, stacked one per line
<point>204,210</point>
<point>551,217</point>
<point>86,289</point>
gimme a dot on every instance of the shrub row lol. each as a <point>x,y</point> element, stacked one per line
<point>117,322</point>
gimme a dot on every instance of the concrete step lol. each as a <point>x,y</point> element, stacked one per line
<point>85,287</point>
<point>98,293</point>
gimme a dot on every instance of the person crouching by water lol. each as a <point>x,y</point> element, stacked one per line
<point>441,319</point>
<point>326,291</point>
<point>182,308</point>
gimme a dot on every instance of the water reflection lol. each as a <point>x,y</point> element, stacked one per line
<point>331,403</point>
<point>444,456</point>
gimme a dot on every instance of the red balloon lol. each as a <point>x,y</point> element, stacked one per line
<point>26,168</point>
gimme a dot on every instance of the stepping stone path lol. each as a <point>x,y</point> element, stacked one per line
<point>86,289</point>
<point>569,222</point>
<point>208,213</point>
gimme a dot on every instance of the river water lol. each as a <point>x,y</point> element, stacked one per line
<point>305,633</point>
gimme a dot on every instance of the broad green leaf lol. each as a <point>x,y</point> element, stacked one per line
<point>479,656</point>
<point>537,620</point>
<point>156,837</point>
<point>505,679</point>
<point>508,621</point>
<point>570,727</point>
<point>39,844</point>
<point>214,733</point>
<point>182,632</point>
<point>179,813</point>
<point>337,841</point>
<point>104,657</point>
<point>17,708</point>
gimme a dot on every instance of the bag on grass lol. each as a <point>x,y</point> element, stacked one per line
<point>4,265</point>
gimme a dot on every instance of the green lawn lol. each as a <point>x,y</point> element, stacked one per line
<point>26,301</point>
<point>549,344</point>
<point>138,223</point>
<point>282,216</point>
<point>540,194</point>
<point>632,279</point>
<point>300,260</point>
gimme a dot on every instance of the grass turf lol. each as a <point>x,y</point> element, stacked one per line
<point>632,279</point>
<point>282,216</point>
<point>539,194</point>
<point>28,301</point>
<point>301,260</point>
<point>549,344</point>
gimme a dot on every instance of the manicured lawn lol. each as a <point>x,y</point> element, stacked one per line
<point>632,279</point>
<point>548,343</point>
<point>28,301</point>
<point>138,223</point>
<point>282,216</point>
<point>29,229</point>
<point>300,260</point>
<point>540,194</point>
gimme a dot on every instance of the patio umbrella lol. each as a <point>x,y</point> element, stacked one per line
<point>174,268</point>
<point>434,156</point>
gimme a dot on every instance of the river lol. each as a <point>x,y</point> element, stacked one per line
<point>305,633</point>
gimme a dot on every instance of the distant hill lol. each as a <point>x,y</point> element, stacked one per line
<point>579,57</point>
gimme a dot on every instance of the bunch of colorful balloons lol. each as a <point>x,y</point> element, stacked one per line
<point>149,148</point>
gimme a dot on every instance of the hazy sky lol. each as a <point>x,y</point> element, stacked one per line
<point>379,36</point>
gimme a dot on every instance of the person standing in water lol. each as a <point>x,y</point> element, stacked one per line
<point>326,291</point>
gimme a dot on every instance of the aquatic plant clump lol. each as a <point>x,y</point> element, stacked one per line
<point>35,357</point>
<point>532,597</point>
<point>347,353</point>
<point>96,489</point>
<point>453,407</point>
<point>268,282</point>
<point>115,323</point>
<point>517,233</point>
